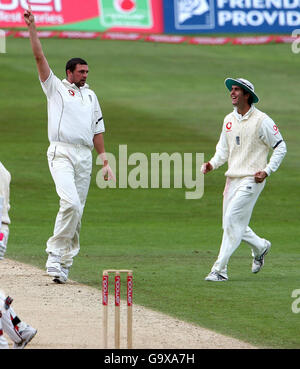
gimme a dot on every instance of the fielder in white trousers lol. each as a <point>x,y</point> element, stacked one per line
<point>239,198</point>
<point>5,179</point>
<point>70,166</point>
<point>246,138</point>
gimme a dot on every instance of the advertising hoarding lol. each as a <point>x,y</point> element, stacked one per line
<point>231,16</point>
<point>89,15</point>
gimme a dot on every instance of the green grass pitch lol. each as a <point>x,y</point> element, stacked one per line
<point>163,98</point>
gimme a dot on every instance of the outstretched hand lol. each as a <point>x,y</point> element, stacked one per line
<point>28,16</point>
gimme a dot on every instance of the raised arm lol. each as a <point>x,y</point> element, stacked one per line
<point>41,61</point>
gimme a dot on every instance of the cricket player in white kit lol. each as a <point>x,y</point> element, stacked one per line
<point>75,127</point>
<point>247,136</point>
<point>18,331</point>
<point>5,179</point>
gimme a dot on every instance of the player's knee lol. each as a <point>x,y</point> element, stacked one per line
<point>233,219</point>
<point>71,206</point>
<point>74,207</point>
<point>231,227</point>
<point>228,222</point>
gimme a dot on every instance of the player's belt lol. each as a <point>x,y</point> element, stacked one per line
<point>66,144</point>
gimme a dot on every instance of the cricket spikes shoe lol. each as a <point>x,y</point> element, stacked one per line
<point>27,335</point>
<point>53,266</point>
<point>63,277</point>
<point>216,277</point>
<point>259,261</point>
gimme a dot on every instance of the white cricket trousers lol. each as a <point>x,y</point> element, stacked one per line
<point>9,324</point>
<point>239,198</point>
<point>71,168</point>
<point>5,179</point>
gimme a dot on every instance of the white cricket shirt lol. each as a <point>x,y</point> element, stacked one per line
<point>74,114</point>
<point>245,142</point>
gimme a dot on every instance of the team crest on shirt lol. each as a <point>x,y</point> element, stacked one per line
<point>275,129</point>
<point>71,92</point>
<point>228,126</point>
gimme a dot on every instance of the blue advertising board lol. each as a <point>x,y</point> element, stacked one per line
<point>231,16</point>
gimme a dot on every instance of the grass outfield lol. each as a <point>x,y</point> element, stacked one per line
<point>163,98</point>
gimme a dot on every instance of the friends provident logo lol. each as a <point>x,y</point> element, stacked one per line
<point>190,8</point>
<point>194,14</point>
<point>234,15</point>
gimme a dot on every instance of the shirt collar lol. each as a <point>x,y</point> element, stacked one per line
<point>72,85</point>
<point>241,117</point>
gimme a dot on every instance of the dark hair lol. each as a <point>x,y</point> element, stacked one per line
<point>71,64</point>
<point>250,98</point>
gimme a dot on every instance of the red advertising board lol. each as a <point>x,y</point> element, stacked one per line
<point>165,39</point>
<point>86,15</point>
<point>252,40</point>
<point>47,12</point>
<point>209,40</point>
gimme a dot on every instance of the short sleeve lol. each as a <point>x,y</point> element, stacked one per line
<point>269,133</point>
<point>51,84</point>
<point>98,117</point>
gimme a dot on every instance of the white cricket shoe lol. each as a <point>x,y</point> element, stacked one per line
<point>216,277</point>
<point>27,335</point>
<point>53,266</point>
<point>63,277</point>
<point>258,261</point>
